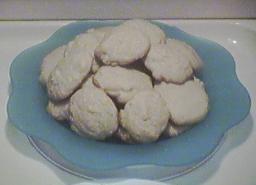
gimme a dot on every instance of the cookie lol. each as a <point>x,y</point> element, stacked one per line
<point>187,103</point>
<point>87,41</point>
<point>187,51</point>
<point>145,116</point>
<point>69,74</point>
<point>92,113</point>
<point>154,33</point>
<point>122,46</point>
<point>73,69</point>
<point>90,40</point>
<point>58,110</point>
<point>121,83</point>
<point>166,64</point>
<point>50,62</point>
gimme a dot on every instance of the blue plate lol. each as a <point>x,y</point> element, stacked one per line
<point>229,105</point>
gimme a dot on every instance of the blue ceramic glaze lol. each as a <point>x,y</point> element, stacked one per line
<point>229,105</point>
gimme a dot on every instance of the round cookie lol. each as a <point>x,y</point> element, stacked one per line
<point>154,33</point>
<point>122,46</point>
<point>58,110</point>
<point>72,70</point>
<point>166,64</point>
<point>187,103</point>
<point>92,113</point>
<point>187,51</point>
<point>145,116</point>
<point>50,62</point>
<point>87,41</point>
<point>121,83</point>
<point>69,74</point>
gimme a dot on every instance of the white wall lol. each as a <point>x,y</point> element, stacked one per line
<point>118,9</point>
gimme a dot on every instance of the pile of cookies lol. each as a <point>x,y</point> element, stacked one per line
<point>128,81</point>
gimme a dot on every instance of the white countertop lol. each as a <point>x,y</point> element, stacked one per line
<point>233,164</point>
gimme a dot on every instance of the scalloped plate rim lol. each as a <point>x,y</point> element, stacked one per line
<point>51,39</point>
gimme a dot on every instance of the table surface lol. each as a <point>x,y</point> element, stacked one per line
<point>233,164</point>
